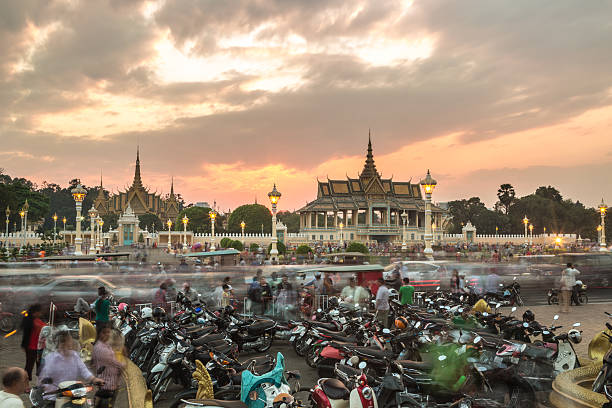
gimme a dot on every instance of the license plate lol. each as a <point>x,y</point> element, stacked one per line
<point>292,338</point>
<point>308,342</point>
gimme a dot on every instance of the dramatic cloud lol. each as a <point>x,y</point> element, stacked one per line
<point>230,96</point>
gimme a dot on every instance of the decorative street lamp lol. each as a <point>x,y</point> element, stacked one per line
<point>22,215</point>
<point>92,222</point>
<point>185,221</point>
<point>557,242</point>
<point>242,225</point>
<point>544,230</point>
<point>526,223</point>
<point>8,213</point>
<point>26,206</point>
<point>530,234</point>
<point>404,232</point>
<point>274,196</point>
<point>602,240</point>
<point>496,231</point>
<point>433,234</point>
<point>169,224</point>
<point>341,225</point>
<point>428,184</point>
<point>599,233</point>
<point>213,215</point>
<point>64,221</point>
<point>99,244</point>
<point>78,193</point>
<point>54,227</point>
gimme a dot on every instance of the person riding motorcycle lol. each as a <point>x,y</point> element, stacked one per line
<point>64,365</point>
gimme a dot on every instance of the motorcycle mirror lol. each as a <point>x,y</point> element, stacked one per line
<point>576,324</point>
<point>442,358</point>
<point>319,310</point>
<point>477,339</point>
<point>460,310</point>
<point>362,365</point>
<point>556,317</point>
<point>514,309</point>
<point>525,324</point>
<point>417,325</point>
<point>485,314</point>
<point>387,331</point>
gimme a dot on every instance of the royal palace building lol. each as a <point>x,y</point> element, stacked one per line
<point>138,198</point>
<point>368,208</point>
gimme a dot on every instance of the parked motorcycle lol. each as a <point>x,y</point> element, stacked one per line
<point>331,392</point>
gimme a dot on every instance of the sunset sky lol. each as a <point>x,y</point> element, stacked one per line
<point>230,96</point>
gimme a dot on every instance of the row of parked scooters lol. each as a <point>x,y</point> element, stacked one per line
<point>443,353</point>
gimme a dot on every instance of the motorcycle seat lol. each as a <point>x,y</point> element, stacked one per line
<point>260,326</point>
<point>195,333</point>
<point>348,370</point>
<point>335,389</point>
<point>372,353</point>
<point>208,338</point>
<point>341,338</point>
<point>326,325</point>
<point>542,353</point>
<point>416,365</point>
<point>218,403</point>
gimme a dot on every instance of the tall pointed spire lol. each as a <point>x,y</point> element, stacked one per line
<point>137,183</point>
<point>172,187</point>
<point>100,190</point>
<point>369,168</point>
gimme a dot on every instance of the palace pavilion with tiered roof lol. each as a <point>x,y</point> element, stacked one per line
<point>367,208</point>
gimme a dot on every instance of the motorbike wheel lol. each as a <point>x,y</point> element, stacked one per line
<point>299,346</point>
<point>583,299</point>
<point>312,354</point>
<point>267,343</point>
<point>513,396</point>
<point>7,324</point>
<point>157,393</point>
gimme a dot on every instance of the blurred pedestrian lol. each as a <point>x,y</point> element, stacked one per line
<point>254,296</point>
<point>160,294</point>
<point>102,308</point>
<point>454,281</point>
<point>266,295</point>
<point>108,368</point>
<point>382,303</point>
<point>225,296</point>
<point>15,382</point>
<point>406,292</point>
<point>31,326</point>
<point>189,293</point>
<point>568,281</point>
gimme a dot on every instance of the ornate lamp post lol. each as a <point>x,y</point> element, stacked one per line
<point>526,223</point>
<point>599,233</point>
<point>341,225</point>
<point>602,240</point>
<point>185,221</point>
<point>404,232</point>
<point>428,184</point>
<point>64,221</point>
<point>530,234</point>
<point>242,225</point>
<point>99,244</point>
<point>8,213</point>
<point>92,222</point>
<point>169,224</point>
<point>496,231</point>
<point>213,215</point>
<point>78,193</point>
<point>22,215</point>
<point>433,234</point>
<point>54,227</point>
<point>274,196</point>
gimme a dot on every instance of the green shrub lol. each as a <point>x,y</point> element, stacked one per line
<point>225,242</point>
<point>236,245</point>
<point>303,249</point>
<point>357,247</point>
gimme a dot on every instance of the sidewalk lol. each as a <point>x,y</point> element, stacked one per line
<point>591,318</point>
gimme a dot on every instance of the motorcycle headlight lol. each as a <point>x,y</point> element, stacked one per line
<point>77,392</point>
<point>367,393</point>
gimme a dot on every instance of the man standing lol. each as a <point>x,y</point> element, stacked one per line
<point>382,303</point>
<point>102,308</point>
<point>568,281</point>
<point>406,292</point>
<point>15,382</point>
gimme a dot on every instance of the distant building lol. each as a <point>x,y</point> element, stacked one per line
<point>369,207</point>
<point>140,200</point>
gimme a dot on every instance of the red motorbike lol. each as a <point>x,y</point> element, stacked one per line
<point>333,393</point>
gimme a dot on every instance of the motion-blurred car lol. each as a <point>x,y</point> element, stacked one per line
<point>421,273</point>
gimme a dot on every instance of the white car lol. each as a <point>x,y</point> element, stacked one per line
<point>420,273</point>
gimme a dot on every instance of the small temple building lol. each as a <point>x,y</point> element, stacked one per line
<point>367,208</point>
<point>138,198</point>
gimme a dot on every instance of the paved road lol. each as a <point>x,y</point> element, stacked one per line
<point>537,296</point>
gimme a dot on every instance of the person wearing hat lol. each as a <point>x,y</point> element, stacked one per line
<point>102,308</point>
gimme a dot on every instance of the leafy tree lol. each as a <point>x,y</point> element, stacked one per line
<point>225,242</point>
<point>111,221</point>
<point>253,247</point>
<point>290,219</point>
<point>280,247</point>
<point>199,220</point>
<point>254,215</point>
<point>236,245</point>
<point>506,196</point>
<point>549,192</point>
<point>150,221</point>
<point>303,249</point>
<point>357,247</point>
<point>140,238</point>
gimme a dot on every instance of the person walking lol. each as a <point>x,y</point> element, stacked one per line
<point>159,299</point>
<point>102,308</point>
<point>568,281</point>
<point>406,292</point>
<point>382,303</point>
<point>225,296</point>
<point>454,281</point>
<point>15,382</point>
<point>108,368</point>
<point>31,326</point>
<point>254,296</point>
